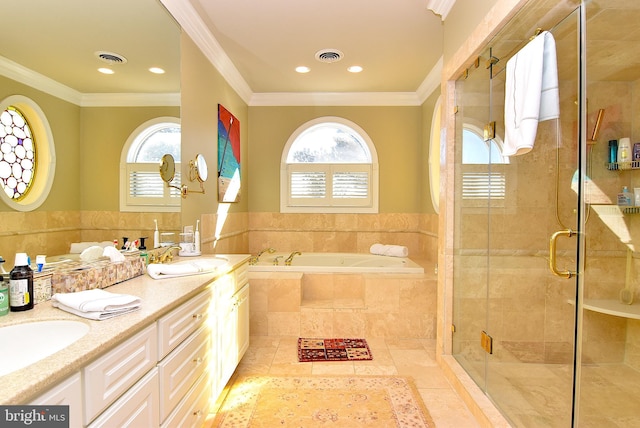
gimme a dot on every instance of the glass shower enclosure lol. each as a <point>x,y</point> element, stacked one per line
<point>546,315</point>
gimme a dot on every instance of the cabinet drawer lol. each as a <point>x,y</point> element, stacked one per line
<point>193,410</point>
<point>176,326</point>
<point>179,371</point>
<point>66,393</point>
<point>138,407</point>
<point>116,371</point>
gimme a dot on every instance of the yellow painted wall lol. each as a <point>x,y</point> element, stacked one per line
<point>64,120</point>
<point>395,131</point>
<point>203,88</point>
<point>104,132</point>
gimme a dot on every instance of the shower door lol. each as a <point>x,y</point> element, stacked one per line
<point>514,320</point>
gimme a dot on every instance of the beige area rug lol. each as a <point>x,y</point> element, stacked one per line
<point>327,401</point>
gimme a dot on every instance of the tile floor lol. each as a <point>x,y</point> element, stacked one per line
<point>277,355</point>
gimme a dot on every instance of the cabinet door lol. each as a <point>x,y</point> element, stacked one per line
<point>66,393</point>
<point>137,408</point>
<point>112,374</point>
<point>233,333</point>
<point>242,330</point>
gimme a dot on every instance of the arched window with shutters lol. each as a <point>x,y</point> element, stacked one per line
<point>141,188</point>
<point>329,165</point>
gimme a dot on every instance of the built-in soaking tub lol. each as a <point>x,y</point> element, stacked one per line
<point>342,295</point>
<point>336,263</point>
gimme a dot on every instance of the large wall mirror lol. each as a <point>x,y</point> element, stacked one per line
<point>58,47</point>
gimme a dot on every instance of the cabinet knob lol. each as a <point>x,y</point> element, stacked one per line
<point>197,413</point>
<point>197,316</point>
<point>197,360</point>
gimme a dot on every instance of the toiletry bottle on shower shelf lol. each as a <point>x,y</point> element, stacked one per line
<point>613,154</point>
<point>624,153</point>
<point>624,198</point>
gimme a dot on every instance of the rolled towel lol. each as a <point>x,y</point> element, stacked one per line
<point>96,304</point>
<point>389,250</point>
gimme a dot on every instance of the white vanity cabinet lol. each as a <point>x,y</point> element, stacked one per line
<point>232,310</point>
<point>111,375</point>
<point>66,393</point>
<point>183,362</point>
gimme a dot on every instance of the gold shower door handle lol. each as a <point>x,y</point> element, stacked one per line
<point>552,254</point>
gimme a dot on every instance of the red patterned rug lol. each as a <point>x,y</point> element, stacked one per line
<point>310,349</point>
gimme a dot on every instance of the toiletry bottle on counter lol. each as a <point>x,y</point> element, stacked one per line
<point>4,294</point>
<point>21,285</point>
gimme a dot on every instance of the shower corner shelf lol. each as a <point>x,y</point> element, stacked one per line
<point>623,166</point>
<point>611,307</point>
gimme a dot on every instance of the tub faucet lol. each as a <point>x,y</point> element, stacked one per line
<point>289,259</point>
<point>255,259</point>
<point>168,253</point>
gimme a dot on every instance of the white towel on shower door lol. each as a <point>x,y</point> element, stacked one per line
<point>531,93</point>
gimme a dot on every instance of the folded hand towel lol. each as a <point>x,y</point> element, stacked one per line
<point>389,250</point>
<point>159,270</point>
<point>96,304</point>
<point>531,93</point>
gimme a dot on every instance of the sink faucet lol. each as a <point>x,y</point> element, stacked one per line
<point>168,253</point>
<point>254,260</point>
<point>289,259</point>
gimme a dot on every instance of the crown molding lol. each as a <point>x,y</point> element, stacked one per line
<point>26,76</point>
<point>440,7</point>
<point>334,99</point>
<point>185,14</point>
<point>431,82</point>
<point>130,100</point>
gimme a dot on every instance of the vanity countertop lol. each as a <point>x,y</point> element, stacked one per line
<point>158,298</point>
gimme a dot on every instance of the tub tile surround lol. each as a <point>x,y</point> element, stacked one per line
<point>329,305</point>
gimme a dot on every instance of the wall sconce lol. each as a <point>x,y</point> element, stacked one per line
<point>197,171</point>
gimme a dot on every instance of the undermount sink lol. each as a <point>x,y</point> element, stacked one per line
<point>188,267</point>
<point>26,343</point>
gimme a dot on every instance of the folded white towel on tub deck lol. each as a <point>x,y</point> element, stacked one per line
<point>96,304</point>
<point>531,93</point>
<point>389,250</point>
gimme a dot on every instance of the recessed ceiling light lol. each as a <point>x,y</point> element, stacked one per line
<point>156,70</point>
<point>354,69</point>
<point>303,69</point>
<point>105,70</point>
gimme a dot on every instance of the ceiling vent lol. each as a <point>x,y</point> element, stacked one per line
<point>329,55</point>
<point>111,58</point>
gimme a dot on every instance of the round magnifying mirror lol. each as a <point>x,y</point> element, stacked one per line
<point>167,168</point>
<point>201,165</point>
